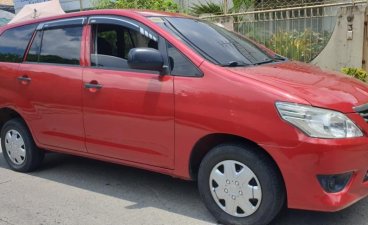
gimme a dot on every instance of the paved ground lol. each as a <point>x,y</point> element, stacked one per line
<point>71,190</point>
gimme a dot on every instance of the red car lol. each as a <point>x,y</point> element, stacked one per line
<point>187,98</point>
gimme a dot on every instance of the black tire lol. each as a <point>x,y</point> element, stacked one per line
<point>33,155</point>
<point>273,191</point>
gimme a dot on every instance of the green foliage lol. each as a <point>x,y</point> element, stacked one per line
<point>301,46</point>
<point>241,5</point>
<point>162,5</point>
<point>356,73</point>
<point>9,57</point>
<point>206,8</point>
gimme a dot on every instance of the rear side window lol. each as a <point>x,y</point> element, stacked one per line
<point>14,42</point>
<point>57,46</point>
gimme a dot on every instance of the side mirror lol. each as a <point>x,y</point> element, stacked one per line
<point>146,59</point>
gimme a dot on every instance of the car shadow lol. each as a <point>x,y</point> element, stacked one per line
<point>147,189</point>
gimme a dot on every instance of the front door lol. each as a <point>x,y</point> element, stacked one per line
<point>128,114</point>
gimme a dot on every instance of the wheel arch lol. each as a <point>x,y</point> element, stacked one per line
<point>7,114</point>
<point>208,142</point>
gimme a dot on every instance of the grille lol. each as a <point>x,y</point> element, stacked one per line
<point>363,111</point>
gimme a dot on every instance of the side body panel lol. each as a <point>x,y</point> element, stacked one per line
<point>131,117</point>
<point>8,76</point>
<point>53,105</point>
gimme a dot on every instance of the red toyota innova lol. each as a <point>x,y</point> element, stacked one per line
<point>187,98</point>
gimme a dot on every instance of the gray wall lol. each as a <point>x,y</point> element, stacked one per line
<point>344,50</point>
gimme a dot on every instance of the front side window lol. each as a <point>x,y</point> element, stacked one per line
<point>14,42</point>
<point>213,42</point>
<point>112,43</point>
<point>57,46</point>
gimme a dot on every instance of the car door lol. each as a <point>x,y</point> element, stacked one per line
<point>128,114</point>
<point>50,82</point>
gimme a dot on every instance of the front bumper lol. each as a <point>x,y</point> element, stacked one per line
<point>301,165</point>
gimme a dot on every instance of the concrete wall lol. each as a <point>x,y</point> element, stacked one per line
<point>345,49</point>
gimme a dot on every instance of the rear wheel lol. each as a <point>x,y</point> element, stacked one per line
<point>18,147</point>
<point>240,185</point>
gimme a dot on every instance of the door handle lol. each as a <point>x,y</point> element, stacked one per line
<point>24,79</point>
<point>93,86</point>
<point>96,86</point>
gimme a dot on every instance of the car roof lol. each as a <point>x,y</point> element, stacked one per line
<point>119,12</point>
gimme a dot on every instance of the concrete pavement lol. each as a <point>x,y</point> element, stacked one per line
<point>75,191</point>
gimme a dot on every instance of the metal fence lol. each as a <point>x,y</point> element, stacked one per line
<point>275,4</point>
<point>297,29</point>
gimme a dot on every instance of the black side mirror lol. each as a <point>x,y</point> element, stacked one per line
<point>146,59</point>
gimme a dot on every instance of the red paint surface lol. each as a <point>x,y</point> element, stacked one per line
<point>153,122</point>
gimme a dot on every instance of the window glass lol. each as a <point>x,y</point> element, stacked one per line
<point>34,51</point>
<point>180,65</point>
<point>112,43</point>
<point>14,42</point>
<point>61,46</point>
<point>225,48</point>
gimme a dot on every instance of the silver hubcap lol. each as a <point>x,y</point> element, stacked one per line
<point>235,188</point>
<point>15,147</point>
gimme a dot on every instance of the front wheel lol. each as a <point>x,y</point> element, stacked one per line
<point>240,185</point>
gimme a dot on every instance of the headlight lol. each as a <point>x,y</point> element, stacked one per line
<point>317,122</point>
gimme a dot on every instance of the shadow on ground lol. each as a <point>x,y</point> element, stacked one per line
<point>148,189</point>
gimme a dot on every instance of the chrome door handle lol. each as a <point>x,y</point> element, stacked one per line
<point>24,79</point>
<point>94,86</point>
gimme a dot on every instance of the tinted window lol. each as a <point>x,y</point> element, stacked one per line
<point>61,46</point>
<point>112,43</point>
<point>215,43</point>
<point>181,65</point>
<point>14,42</point>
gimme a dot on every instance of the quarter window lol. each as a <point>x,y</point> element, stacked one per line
<point>180,65</point>
<point>14,42</point>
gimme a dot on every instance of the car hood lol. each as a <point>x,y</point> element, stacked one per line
<point>319,87</point>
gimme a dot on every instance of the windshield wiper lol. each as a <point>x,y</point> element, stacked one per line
<point>265,62</point>
<point>279,58</point>
<point>234,64</point>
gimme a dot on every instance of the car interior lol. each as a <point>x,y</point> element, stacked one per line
<point>112,43</point>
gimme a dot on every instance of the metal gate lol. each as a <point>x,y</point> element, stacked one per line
<point>299,32</point>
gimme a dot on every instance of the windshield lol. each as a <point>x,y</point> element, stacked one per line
<point>214,43</point>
